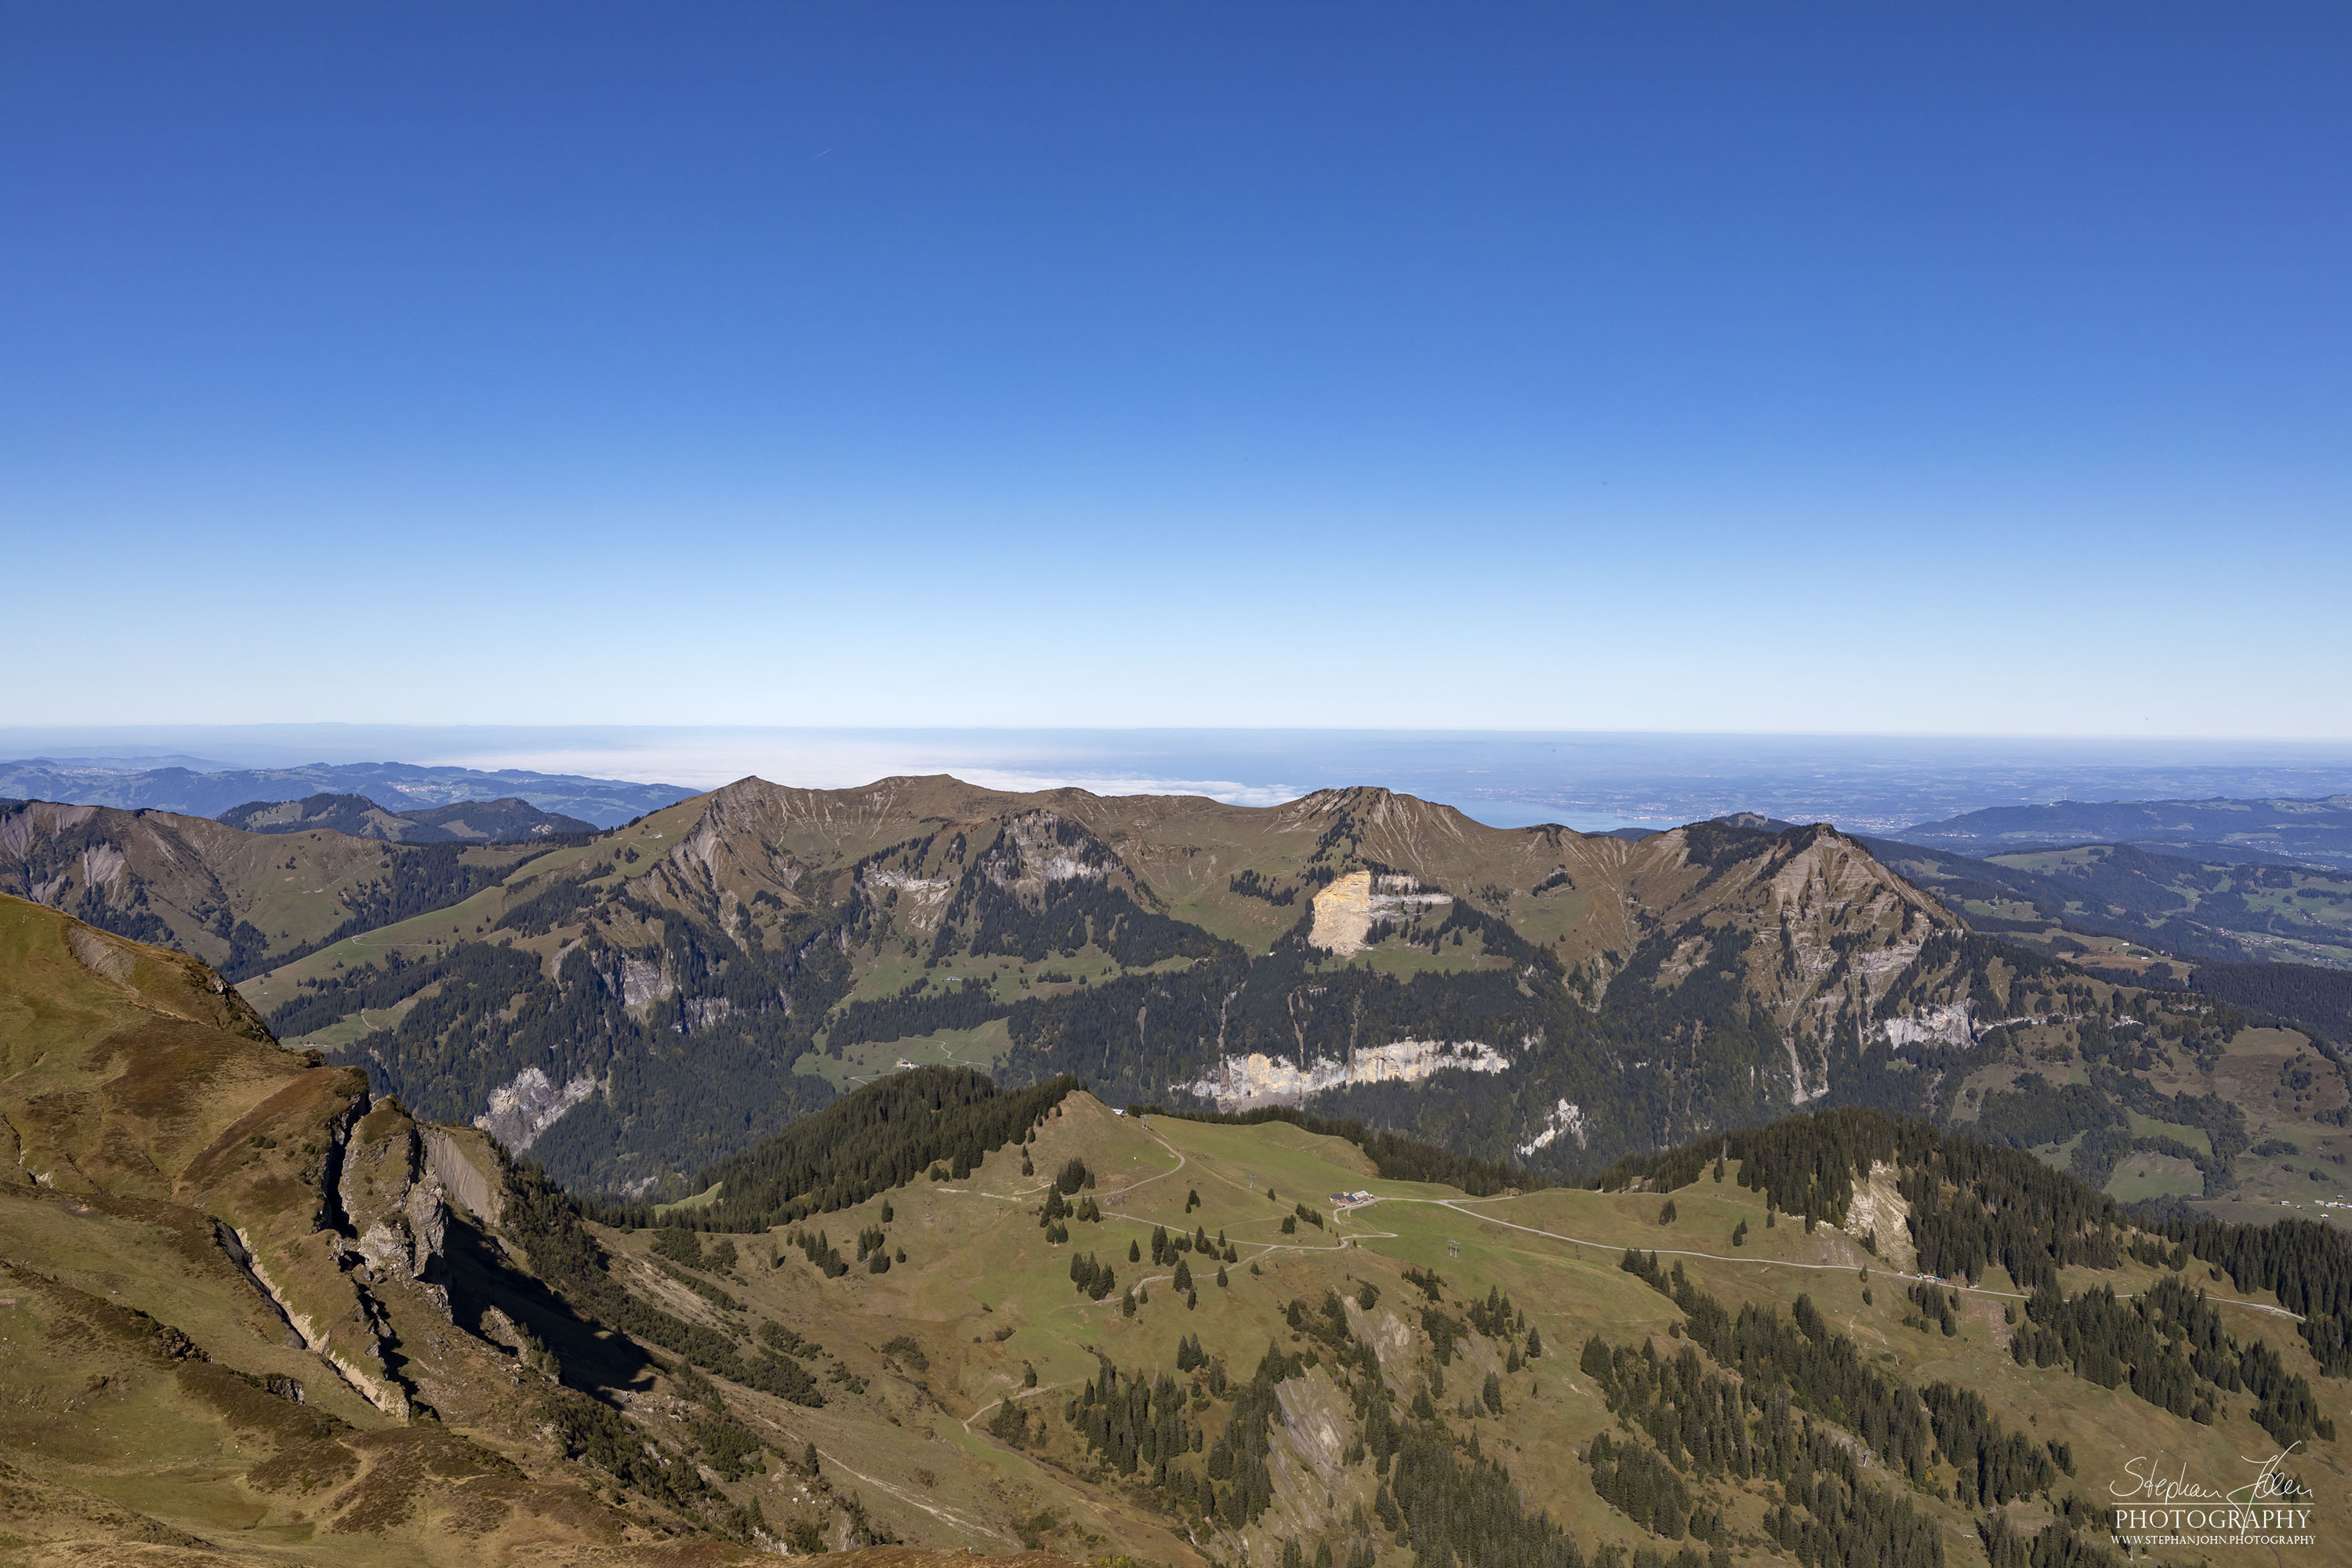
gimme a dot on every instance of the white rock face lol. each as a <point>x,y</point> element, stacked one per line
<point>1318,1433</point>
<point>1256,1077</point>
<point>922,898</point>
<point>1946,1023</point>
<point>1344,911</point>
<point>1565,1120</point>
<point>1877,1206</point>
<point>642,979</point>
<point>1390,1339</point>
<point>528,1105</point>
<point>384,1244</point>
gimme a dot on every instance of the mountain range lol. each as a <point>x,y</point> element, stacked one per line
<point>606,803</point>
<point>255,1310</point>
<point>632,1007</point>
<point>508,821</point>
<point>240,901</point>
<point>1529,994</point>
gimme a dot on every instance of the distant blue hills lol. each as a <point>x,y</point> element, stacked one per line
<point>397,786</point>
<point>2244,831</point>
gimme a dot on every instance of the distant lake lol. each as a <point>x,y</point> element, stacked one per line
<point>1590,781</point>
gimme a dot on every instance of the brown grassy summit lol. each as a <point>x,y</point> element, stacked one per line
<point>237,899</point>
<point>222,1309</point>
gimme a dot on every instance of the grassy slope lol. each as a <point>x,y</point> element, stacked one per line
<point>290,886</point>
<point>143,1105</point>
<point>978,1268</point>
<point>468,921</point>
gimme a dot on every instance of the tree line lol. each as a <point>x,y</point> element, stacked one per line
<point>2169,1344</point>
<point>878,1137</point>
<point>1396,1157</point>
<point>1796,1381</point>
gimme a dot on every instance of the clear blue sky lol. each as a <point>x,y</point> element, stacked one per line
<point>1754,366</point>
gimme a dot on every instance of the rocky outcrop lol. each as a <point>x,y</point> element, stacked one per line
<point>922,899</point>
<point>530,1105</point>
<point>468,1175</point>
<point>101,954</point>
<point>1879,1210</point>
<point>637,980</point>
<point>1257,1078</point>
<point>1939,1023</point>
<point>1346,910</point>
<point>1391,1340</point>
<point>1563,1121</point>
<point>1038,847</point>
<point>367,1374</point>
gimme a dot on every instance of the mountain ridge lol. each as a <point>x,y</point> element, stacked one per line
<point>188,792</point>
<point>914,904</point>
<point>510,820</point>
<point>237,899</point>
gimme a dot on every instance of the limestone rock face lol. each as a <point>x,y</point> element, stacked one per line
<point>378,1165</point>
<point>467,1169</point>
<point>520,1110</point>
<point>428,1226</point>
<point>1878,1209</point>
<point>1344,911</point>
<point>1258,1078</point>
<point>394,1201</point>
